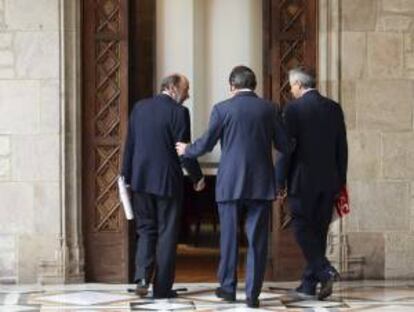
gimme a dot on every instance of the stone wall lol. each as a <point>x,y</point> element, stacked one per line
<point>377,92</point>
<point>30,137</point>
<point>40,232</point>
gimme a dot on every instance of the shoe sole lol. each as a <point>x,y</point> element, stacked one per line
<point>253,304</point>
<point>327,290</point>
<point>227,299</point>
<point>141,292</point>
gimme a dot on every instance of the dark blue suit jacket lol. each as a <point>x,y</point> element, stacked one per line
<point>246,127</point>
<point>319,161</point>
<point>151,164</point>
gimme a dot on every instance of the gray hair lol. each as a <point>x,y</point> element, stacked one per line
<point>304,76</point>
<point>170,81</point>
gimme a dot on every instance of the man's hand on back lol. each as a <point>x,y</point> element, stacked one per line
<point>180,148</point>
<point>200,185</point>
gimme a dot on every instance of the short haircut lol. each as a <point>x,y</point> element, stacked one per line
<point>304,75</point>
<point>170,81</point>
<point>242,77</point>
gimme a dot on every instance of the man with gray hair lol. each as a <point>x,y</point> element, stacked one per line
<point>313,176</point>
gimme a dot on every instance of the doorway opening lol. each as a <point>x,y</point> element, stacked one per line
<point>204,40</point>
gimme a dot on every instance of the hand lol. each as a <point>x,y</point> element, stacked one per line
<point>180,148</point>
<point>281,195</point>
<point>200,185</point>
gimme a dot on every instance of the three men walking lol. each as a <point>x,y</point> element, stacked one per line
<point>311,168</point>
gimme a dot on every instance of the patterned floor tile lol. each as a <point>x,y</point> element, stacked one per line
<point>209,295</point>
<point>348,296</point>
<point>245,309</point>
<point>393,308</point>
<point>315,304</point>
<point>83,309</point>
<point>163,305</point>
<point>85,298</point>
<point>18,308</point>
<point>378,294</point>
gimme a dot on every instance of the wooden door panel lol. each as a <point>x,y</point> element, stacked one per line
<point>289,40</point>
<point>118,48</point>
<point>105,113</point>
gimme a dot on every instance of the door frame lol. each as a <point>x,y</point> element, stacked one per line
<point>329,84</point>
<point>290,38</point>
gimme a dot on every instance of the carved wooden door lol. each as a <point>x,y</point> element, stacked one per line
<point>290,39</point>
<point>105,113</point>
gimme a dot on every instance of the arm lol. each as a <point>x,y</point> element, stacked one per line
<point>342,149</point>
<point>209,139</point>
<point>128,152</point>
<point>183,134</point>
<point>284,158</point>
<point>280,136</point>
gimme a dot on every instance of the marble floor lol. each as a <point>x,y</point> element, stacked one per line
<point>348,296</point>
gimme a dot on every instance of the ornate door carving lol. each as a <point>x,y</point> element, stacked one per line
<point>105,112</point>
<point>118,69</point>
<point>290,39</point>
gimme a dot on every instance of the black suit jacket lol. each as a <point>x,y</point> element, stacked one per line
<point>151,164</point>
<point>246,127</point>
<point>319,161</point>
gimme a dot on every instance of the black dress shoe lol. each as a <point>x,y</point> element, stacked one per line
<point>142,288</point>
<point>226,296</point>
<point>327,285</point>
<point>168,295</point>
<point>252,302</point>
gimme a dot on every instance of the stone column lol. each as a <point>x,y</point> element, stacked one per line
<point>329,85</point>
<point>72,175</point>
<point>40,237</point>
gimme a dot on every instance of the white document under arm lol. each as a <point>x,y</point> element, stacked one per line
<point>124,197</point>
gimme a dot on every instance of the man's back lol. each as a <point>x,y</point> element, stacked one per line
<point>317,125</point>
<point>246,127</point>
<point>155,125</point>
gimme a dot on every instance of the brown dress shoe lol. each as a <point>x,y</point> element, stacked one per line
<point>142,288</point>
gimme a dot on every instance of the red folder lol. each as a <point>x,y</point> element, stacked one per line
<point>341,208</point>
<point>342,203</point>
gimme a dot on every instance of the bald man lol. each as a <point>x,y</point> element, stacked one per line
<point>152,168</point>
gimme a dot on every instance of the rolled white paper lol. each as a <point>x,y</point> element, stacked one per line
<point>124,197</point>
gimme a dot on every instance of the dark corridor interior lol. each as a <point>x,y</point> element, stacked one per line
<point>198,249</point>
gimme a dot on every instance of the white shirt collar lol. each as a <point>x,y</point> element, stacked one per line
<point>244,90</point>
<point>166,93</point>
<point>307,90</point>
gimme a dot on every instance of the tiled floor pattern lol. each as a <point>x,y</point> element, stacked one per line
<point>348,296</point>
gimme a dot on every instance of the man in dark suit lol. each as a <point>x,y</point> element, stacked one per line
<point>246,127</point>
<point>153,170</point>
<point>313,175</point>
